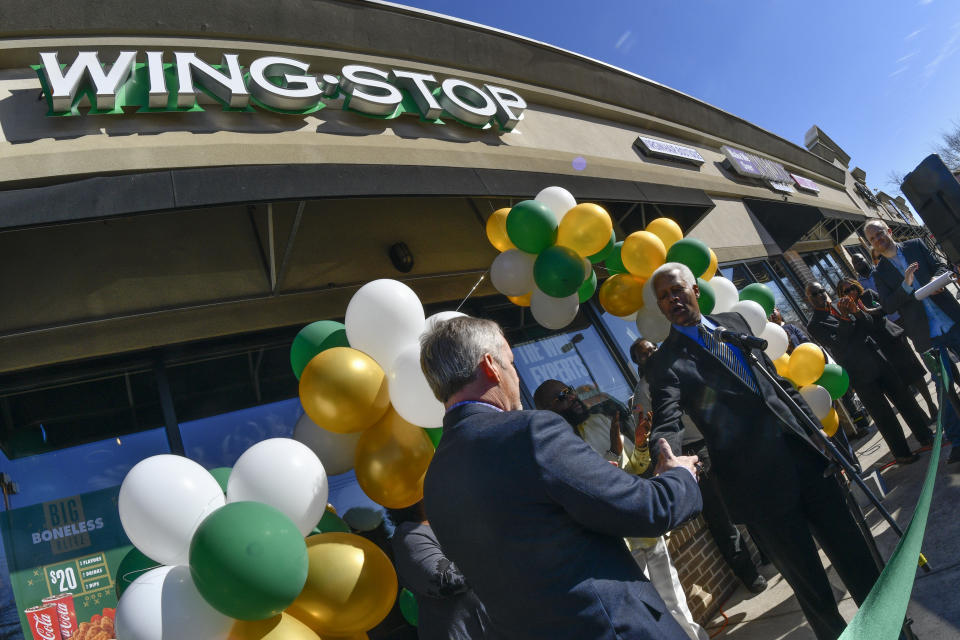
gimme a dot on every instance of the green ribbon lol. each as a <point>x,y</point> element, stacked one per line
<point>881,615</point>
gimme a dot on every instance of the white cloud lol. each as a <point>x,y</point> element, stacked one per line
<point>622,40</point>
<point>914,34</point>
<point>903,59</point>
<point>898,71</point>
<point>950,47</point>
<point>923,2</point>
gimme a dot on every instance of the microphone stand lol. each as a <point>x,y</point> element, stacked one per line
<point>836,458</point>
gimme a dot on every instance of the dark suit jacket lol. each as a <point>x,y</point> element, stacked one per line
<point>894,298</point>
<point>852,343</point>
<point>759,451</point>
<point>535,520</point>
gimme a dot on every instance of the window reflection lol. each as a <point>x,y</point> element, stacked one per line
<point>787,309</point>
<point>623,332</point>
<point>788,284</point>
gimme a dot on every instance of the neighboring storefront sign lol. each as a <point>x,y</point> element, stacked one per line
<point>750,165</point>
<point>781,187</point>
<point>805,183</point>
<point>62,557</point>
<point>274,83</point>
<point>669,150</point>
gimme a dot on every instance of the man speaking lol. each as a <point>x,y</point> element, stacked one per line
<point>770,474</point>
<point>534,518</point>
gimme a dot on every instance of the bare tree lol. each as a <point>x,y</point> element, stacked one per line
<point>949,148</point>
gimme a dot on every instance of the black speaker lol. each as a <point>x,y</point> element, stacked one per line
<point>935,194</point>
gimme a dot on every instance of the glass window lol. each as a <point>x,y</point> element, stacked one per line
<point>819,271</point>
<point>738,274</point>
<point>834,267</point>
<point>623,332</point>
<point>787,282</point>
<point>788,310</point>
<point>578,358</point>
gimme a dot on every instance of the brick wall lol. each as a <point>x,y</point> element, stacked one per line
<point>706,578</point>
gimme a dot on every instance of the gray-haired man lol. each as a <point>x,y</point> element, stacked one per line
<point>530,513</point>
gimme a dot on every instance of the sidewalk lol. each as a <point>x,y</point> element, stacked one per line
<point>935,602</point>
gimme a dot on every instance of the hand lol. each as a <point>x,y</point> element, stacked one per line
<point>909,273</point>
<point>669,461</point>
<point>616,444</point>
<point>846,306</point>
<point>644,422</point>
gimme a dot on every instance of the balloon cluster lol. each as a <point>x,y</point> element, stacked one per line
<point>234,565</point>
<point>818,380</point>
<point>549,245</point>
<point>367,404</point>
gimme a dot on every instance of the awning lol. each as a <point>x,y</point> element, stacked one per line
<point>789,223</point>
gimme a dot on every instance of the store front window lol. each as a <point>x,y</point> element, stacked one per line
<point>623,332</point>
<point>784,301</point>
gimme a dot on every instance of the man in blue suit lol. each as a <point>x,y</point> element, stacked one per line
<point>932,322</point>
<point>534,518</point>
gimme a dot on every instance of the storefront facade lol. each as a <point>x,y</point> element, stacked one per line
<point>159,255</point>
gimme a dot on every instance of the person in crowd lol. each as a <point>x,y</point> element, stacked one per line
<point>846,331</point>
<point>931,322</point>
<point>448,609</point>
<point>795,335</point>
<point>891,339</point>
<point>650,553</point>
<point>770,472</point>
<point>864,271</point>
<point>725,533</point>
<point>531,515</point>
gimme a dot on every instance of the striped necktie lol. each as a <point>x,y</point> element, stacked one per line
<point>725,355</point>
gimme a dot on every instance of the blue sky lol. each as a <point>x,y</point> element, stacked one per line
<point>881,78</point>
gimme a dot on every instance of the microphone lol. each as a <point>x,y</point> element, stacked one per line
<point>742,340</point>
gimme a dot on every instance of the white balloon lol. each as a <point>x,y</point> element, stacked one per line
<point>410,394</point>
<point>163,499</point>
<point>382,318</point>
<point>553,313</point>
<point>164,604</point>
<point>753,313</point>
<point>777,340</point>
<point>335,450</point>
<point>652,325</point>
<point>441,316</point>
<point>587,268</point>
<point>649,296</point>
<point>818,399</point>
<point>512,272</point>
<point>284,474</point>
<point>558,199</point>
<point>726,294</point>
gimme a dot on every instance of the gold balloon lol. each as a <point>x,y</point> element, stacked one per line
<point>497,230</point>
<point>667,230</point>
<point>783,365</point>
<point>621,294</point>
<point>585,228</point>
<point>351,585</point>
<point>806,364</point>
<point>281,627</point>
<point>344,390</point>
<point>391,459</point>
<point>712,269</point>
<point>830,423</point>
<point>521,301</point>
<point>642,253</point>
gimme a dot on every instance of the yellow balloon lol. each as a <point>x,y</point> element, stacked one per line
<point>281,627</point>
<point>621,294</point>
<point>497,230</point>
<point>391,459</point>
<point>352,636</point>
<point>806,364</point>
<point>351,585</point>
<point>585,228</point>
<point>642,253</point>
<point>667,230</point>
<point>831,422</point>
<point>783,365</point>
<point>344,390</point>
<point>521,301</point>
<point>712,269</point>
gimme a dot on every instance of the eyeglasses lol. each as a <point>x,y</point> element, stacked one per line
<point>565,394</point>
<point>847,292</point>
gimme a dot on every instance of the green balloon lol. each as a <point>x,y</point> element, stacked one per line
<point>707,298</point>
<point>762,295</point>
<point>248,560</point>
<point>531,226</point>
<point>133,565</point>
<point>435,435</point>
<point>330,523</point>
<point>558,271</point>
<point>835,380</point>
<point>614,262</point>
<point>408,607</point>
<point>314,338</point>
<point>222,474</point>
<point>691,252</point>
<point>601,255</point>
<point>588,288</point>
